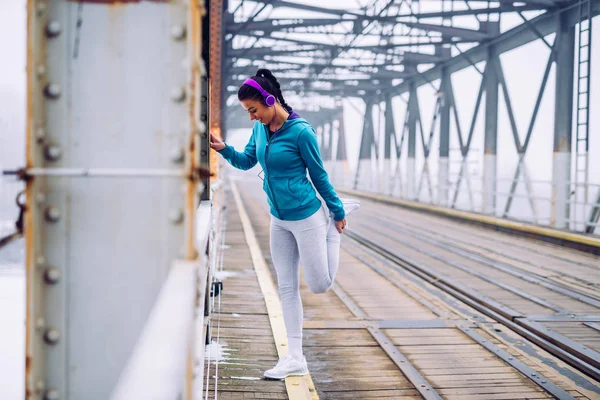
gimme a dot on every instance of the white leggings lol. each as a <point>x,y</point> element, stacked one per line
<point>318,248</point>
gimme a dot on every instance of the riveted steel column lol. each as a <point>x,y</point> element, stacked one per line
<point>491,136</point>
<point>98,249</point>
<point>443,181</point>
<point>329,142</point>
<point>363,171</point>
<point>216,9</point>
<point>387,148</point>
<point>342,175</point>
<point>412,142</point>
<point>561,171</point>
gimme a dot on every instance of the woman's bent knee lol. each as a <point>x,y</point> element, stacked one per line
<point>320,287</point>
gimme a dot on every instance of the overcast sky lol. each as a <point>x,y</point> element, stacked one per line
<point>523,69</point>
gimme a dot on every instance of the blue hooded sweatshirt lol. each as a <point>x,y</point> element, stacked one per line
<point>285,156</point>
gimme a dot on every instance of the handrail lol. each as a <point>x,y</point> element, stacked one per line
<point>161,364</point>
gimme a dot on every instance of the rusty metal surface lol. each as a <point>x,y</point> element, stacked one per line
<point>98,250</point>
<point>214,73</point>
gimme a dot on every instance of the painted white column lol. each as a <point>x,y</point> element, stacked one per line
<point>561,172</point>
<point>410,178</point>
<point>443,181</point>
<point>489,184</point>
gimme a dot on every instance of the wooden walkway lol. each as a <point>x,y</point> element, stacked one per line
<point>424,315</point>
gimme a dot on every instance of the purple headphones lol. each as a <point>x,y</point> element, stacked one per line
<point>269,99</point>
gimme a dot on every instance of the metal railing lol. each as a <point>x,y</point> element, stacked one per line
<point>161,367</point>
<point>536,196</point>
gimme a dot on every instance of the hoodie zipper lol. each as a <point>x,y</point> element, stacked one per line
<point>267,172</point>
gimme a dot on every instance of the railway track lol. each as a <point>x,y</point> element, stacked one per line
<point>460,326</point>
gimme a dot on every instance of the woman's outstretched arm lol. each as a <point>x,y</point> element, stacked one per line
<point>241,160</point>
<point>309,150</point>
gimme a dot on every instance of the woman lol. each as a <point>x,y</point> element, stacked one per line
<point>286,146</point>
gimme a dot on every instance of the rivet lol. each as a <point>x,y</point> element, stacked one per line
<point>177,155</point>
<point>41,7</point>
<point>52,275</point>
<point>533,374</point>
<point>203,153</point>
<point>39,386</point>
<point>52,214</point>
<point>41,70</point>
<point>40,261</point>
<point>178,32</point>
<point>53,29</point>
<point>40,323</point>
<point>40,198</point>
<point>51,394</point>
<point>178,94</point>
<point>52,152</point>
<point>510,358</point>
<point>40,133</point>
<point>52,90</point>
<point>202,127</point>
<point>176,216</point>
<point>51,336</point>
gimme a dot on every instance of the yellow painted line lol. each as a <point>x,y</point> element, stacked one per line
<point>470,216</point>
<point>298,387</point>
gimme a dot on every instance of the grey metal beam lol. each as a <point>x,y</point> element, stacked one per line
<point>390,128</point>
<point>444,149</point>
<point>563,114</point>
<point>450,31</point>
<point>491,137</point>
<point>254,52</point>
<point>412,141</point>
<point>421,58</point>
<point>341,148</point>
<point>272,25</point>
<point>457,13</point>
<point>297,6</point>
<point>367,132</point>
<point>330,142</point>
<point>516,37</point>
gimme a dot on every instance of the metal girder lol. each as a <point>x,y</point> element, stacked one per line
<point>266,51</point>
<point>251,69</point>
<point>464,33</point>
<point>297,6</point>
<point>492,10</point>
<point>516,37</point>
<point>341,147</point>
<point>273,25</point>
<point>421,58</point>
<point>563,110</point>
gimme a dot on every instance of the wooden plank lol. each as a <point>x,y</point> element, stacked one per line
<point>298,387</point>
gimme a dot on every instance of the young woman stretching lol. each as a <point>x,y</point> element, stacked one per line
<point>286,146</point>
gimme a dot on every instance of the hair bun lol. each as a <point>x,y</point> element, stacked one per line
<point>263,72</point>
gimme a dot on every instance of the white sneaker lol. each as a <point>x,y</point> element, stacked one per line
<point>350,205</point>
<point>287,366</point>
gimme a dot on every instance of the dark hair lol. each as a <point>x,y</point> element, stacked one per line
<point>267,81</point>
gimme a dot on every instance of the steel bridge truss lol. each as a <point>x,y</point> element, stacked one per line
<point>385,49</point>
